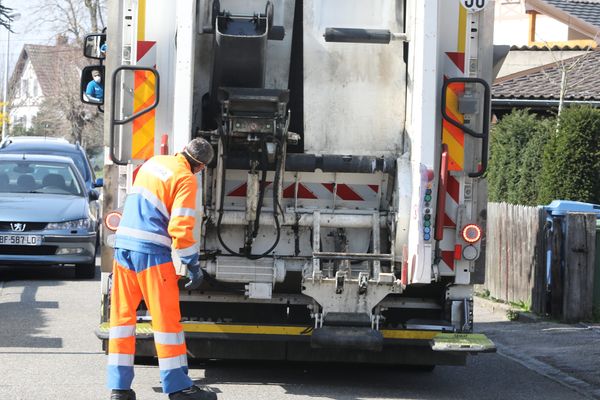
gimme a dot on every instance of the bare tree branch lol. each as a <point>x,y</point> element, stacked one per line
<point>71,18</point>
<point>5,18</point>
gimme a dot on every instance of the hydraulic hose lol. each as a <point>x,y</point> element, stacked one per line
<point>279,158</point>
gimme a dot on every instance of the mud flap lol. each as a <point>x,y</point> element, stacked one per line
<point>463,342</point>
<point>347,337</point>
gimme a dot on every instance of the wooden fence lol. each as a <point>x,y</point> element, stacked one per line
<point>515,254</point>
<point>517,240</point>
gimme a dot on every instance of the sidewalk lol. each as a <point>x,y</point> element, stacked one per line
<point>568,354</point>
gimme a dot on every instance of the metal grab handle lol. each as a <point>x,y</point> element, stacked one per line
<point>484,134</point>
<point>113,121</point>
<point>361,35</point>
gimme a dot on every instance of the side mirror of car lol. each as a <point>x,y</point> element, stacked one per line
<point>94,46</point>
<point>94,195</point>
<point>92,85</point>
<point>99,182</point>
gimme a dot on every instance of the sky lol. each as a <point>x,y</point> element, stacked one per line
<point>26,31</point>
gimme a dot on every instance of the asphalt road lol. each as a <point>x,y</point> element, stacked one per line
<point>48,351</point>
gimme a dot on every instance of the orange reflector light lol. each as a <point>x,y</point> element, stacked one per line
<point>457,251</point>
<point>112,220</point>
<point>471,233</point>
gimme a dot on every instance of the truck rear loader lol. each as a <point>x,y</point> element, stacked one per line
<point>343,218</point>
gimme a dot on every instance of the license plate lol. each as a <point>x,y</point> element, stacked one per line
<point>21,240</point>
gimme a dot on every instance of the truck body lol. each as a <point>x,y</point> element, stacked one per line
<point>342,218</point>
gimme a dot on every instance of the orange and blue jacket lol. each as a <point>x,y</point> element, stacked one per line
<point>159,212</point>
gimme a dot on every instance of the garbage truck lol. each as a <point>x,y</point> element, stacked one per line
<point>343,217</point>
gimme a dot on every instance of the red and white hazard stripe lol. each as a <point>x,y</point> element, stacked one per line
<point>314,191</point>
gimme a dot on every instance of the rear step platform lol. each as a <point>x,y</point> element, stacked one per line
<point>467,342</point>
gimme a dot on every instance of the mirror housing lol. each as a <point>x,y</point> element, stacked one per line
<point>94,46</point>
<point>99,182</point>
<point>94,195</point>
<point>90,91</point>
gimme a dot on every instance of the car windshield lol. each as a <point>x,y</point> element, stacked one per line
<point>77,157</point>
<point>25,176</point>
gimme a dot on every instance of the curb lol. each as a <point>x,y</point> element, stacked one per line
<point>521,316</point>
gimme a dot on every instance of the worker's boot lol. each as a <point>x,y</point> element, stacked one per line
<point>122,394</point>
<point>193,393</point>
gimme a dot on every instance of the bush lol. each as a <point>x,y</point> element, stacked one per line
<point>530,168</point>
<point>516,148</point>
<point>571,161</point>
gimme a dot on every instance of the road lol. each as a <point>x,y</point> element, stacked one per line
<point>48,351</point>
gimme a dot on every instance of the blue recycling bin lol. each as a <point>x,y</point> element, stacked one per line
<point>559,209</point>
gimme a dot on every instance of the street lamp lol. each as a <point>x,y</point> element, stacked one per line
<point>14,17</point>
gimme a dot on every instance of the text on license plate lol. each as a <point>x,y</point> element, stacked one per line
<point>21,240</point>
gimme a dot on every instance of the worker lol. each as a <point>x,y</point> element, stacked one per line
<point>158,217</point>
<point>94,90</point>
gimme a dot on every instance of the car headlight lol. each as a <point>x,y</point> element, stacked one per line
<point>75,224</point>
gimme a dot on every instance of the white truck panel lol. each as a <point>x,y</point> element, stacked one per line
<point>422,126</point>
<point>353,93</point>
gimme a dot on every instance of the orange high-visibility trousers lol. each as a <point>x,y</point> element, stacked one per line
<point>151,277</point>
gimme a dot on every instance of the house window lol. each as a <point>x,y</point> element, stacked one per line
<point>35,89</point>
<point>23,91</point>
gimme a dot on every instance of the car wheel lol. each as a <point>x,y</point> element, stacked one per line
<point>86,271</point>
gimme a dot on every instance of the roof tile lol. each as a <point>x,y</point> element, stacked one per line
<point>53,65</point>
<point>586,10</point>
<point>544,82</point>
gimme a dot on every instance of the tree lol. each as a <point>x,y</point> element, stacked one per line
<point>5,18</point>
<point>565,67</point>
<point>61,112</point>
<point>70,18</point>
<point>95,9</point>
<point>571,162</point>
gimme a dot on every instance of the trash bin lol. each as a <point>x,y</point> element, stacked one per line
<point>555,214</point>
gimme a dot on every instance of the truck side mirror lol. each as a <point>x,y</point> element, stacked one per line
<point>94,195</point>
<point>94,46</point>
<point>91,86</point>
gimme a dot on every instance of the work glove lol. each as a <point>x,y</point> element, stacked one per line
<point>195,276</point>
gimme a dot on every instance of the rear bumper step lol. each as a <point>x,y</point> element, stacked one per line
<point>463,342</point>
<point>328,337</point>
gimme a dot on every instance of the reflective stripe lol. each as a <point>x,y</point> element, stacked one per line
<point>172,362</point>
<point>118,332</point>
<point>157,170</point>
<point>169,338</point>
<point>151,197</point>
<point>183,212</point>
<point>188,251</point>
<point>124,360</point>
<point>149,236</point>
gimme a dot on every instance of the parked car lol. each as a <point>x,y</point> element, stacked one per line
<point>53,146</point>
<point>58,147</point>
<point>45,217</point>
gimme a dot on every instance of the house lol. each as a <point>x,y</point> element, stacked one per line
<point>545,35</point>
<point>41,73</point>
<point>550,23</point>
<point>539,88</point>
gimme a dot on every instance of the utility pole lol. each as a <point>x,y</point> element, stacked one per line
<point>13,17</point>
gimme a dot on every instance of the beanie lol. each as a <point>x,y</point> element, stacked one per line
<point>200,151</point>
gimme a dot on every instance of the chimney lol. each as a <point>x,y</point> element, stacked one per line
<point>62,40</point>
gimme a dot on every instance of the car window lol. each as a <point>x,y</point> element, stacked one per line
<point>77,157</point>
<point>80,162</point>
<point>24,176</point>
